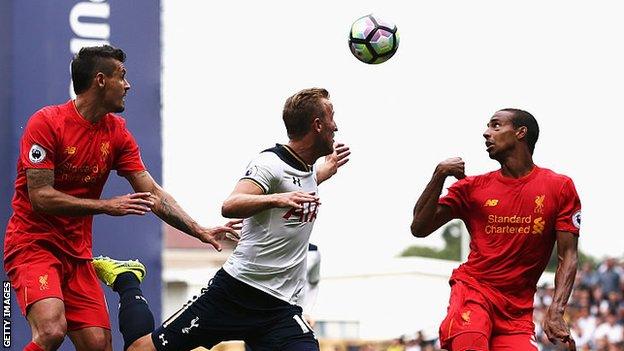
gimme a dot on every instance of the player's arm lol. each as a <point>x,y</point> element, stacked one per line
<point>248,198</point>
<point>166,207</point>
<point>428,215</point>
<point>45,198</point>
<point>333,161</point>
<point>567,253</point>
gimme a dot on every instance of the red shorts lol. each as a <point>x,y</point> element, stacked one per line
<point>37,273</point>
<point>471,316</point>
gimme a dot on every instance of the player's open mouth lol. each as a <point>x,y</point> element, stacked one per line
<point>488,145</point>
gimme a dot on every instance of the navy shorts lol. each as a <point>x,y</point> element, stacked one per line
<point>229,309</point>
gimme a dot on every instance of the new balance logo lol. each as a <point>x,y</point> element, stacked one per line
<point>194,323</point>
<point>297,181</point>
<point>490,203</point>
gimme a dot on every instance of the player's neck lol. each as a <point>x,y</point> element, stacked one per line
<point>89,109</point>
<point>517,166</point>
<point>304,150</point>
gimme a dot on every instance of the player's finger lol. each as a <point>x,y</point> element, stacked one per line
<point>344,153</point>
<point>232,237</point>
<point>137,195</point>
<point>342,162</point>
<point>134,212</point>
<point>140,208</point>
<point>143,202</point>
<point>341,149</point>
<point>214,244</point>
<point>234,222</point>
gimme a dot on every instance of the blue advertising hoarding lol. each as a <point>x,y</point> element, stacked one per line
<point>38,39</point>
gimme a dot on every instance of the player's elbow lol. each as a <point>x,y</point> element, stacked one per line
<point>418,230</point>
<point>38,201</point>
<point>228,209</point>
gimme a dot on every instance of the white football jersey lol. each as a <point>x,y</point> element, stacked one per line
<point>271,253</point>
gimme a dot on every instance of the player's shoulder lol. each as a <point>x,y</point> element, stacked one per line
<point>51,112</point>
<point>552,176</point>
<point>50,117</point>
<point>480,179</point>
<point>114,120</point>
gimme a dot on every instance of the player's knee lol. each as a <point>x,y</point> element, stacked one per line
<point>98,342</point>
<point>470,342</point>
<point>143,343</point>
<point>50,335</point>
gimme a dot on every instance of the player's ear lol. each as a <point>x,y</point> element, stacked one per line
<point>317,125</point>
<point>100,79</point>
<point>521,132</point>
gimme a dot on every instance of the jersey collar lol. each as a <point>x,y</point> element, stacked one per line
<point>289,156</point>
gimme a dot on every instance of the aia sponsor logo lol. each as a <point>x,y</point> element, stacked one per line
<point>307,212</point>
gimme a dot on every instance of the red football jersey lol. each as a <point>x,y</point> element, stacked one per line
<point>81,155</point>
<point>512,225</point>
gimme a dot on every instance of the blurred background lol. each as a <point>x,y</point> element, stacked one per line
<point>209,80</point>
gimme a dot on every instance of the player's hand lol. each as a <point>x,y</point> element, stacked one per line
<point>453,166</point>
<point>293,199</point>
<point>556,329</point>
<point>336,159</point>
<point>229,231</point>
<point>129,204</point>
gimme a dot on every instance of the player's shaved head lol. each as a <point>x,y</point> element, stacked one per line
<point>301,109</point>
<point>90,61</point>
<point>523,118</point>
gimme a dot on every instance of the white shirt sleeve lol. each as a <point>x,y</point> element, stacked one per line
<point>263,171</point>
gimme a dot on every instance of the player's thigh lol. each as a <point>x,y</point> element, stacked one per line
<point>205,322</point>
<point>35,275</point>
<point>85,304</point>
<point>91,339</point>
<point>513,342</point>
<point>469,314</point>
<point>289,331</point>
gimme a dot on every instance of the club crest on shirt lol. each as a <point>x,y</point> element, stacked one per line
<point>576,219</point>
<point>539,203</point>
<point>36,154</point>
<point>105,150</point>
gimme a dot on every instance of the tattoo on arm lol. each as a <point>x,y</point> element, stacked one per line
<point>37,178</point>
<point>174,215</point>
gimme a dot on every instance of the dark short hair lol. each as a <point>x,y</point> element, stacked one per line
<point>301,108</point>
<point>522,118</point>
<point>91,60</point>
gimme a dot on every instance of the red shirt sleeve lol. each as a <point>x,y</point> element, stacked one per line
<point>457,198</point>
<point>569,212</point>
<point>38,144</point>
<point>129,158</point>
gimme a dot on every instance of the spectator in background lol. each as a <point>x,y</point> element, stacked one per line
<point>609,277</point>
<point>587,276</point>
<point>610,330</point>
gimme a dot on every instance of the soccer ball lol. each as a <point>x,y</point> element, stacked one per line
<point>373,40</point>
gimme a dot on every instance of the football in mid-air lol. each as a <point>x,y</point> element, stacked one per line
<point>373,39</point>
